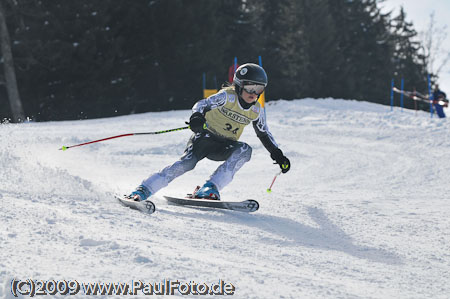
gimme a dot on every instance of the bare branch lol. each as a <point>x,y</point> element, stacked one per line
<point>436,57</point>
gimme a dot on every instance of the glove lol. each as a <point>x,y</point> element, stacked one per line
<point>281,160</point>
<point>197,122</point>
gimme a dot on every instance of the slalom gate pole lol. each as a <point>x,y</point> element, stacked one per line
<point>401,95</point>
<point>430,96</point>
<point>392,94</point>
<point>273,181</point>
<point>415,102</point>
<point>63,148</point>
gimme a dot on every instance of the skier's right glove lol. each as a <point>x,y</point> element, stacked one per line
<point>197,122</point>
<point>281,160</point>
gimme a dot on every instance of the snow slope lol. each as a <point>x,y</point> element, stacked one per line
<point>363,213</point>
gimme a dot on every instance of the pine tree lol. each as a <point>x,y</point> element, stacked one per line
<point>407,61</point>
<point>363,38</point>
<point>323,54</point>
<point>279,34</point>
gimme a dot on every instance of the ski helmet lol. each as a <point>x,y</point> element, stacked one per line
<point>250,73</point>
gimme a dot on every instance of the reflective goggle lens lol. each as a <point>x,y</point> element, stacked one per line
<point>254,88</point>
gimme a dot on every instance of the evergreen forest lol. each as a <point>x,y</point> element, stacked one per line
<point>100,58</point>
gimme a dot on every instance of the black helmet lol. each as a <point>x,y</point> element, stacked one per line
<point>250,73</point>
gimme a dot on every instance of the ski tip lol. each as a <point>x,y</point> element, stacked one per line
<point>146,206</point>
<point>252,205</point>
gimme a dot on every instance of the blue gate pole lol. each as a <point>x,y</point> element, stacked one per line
<point>429,95</point>
<point>401,95</point>
<point>392,94</point>
<point>235,64</point>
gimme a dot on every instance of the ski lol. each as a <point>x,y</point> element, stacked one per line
<point>146,206</point>
<point>248,205</point>
<point>417,96</point>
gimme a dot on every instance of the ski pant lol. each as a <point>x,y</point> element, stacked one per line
<point>204,145</point>
<point>439,110</point>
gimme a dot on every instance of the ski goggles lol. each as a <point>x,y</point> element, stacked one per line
<point>254,88</point>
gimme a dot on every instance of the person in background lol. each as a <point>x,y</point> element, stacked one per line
<point>218,122</point>
<point>439,101</point>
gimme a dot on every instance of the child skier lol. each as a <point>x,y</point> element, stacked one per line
<point>217,122</point>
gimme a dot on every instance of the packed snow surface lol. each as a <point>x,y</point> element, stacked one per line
<point>363,212</point>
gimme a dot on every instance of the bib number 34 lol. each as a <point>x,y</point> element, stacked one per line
<point>229,127</point>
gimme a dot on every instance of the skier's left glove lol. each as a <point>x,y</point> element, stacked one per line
<point>281,160</point>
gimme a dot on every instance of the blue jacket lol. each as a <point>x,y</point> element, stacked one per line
<point>439,95</point>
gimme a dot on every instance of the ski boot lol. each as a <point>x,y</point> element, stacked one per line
<point>140,194</point>
<point>208,191</point>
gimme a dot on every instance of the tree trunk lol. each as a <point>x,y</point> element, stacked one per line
<point>10,75</point>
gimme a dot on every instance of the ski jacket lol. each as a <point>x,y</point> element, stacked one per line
<point>226,118</point>
<point>439,94</point>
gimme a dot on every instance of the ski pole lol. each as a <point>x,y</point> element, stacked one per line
<point>124,135</point>
<point>273,181</point>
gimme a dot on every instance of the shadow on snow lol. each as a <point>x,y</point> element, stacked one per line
<point>327,236</point>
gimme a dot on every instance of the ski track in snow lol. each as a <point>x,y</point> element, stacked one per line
<point>363,213</point>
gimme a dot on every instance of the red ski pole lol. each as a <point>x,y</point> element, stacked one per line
<point>273,181</point>
<point>124,135</point>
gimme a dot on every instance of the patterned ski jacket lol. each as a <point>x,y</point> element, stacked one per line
<point>226,118</point>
